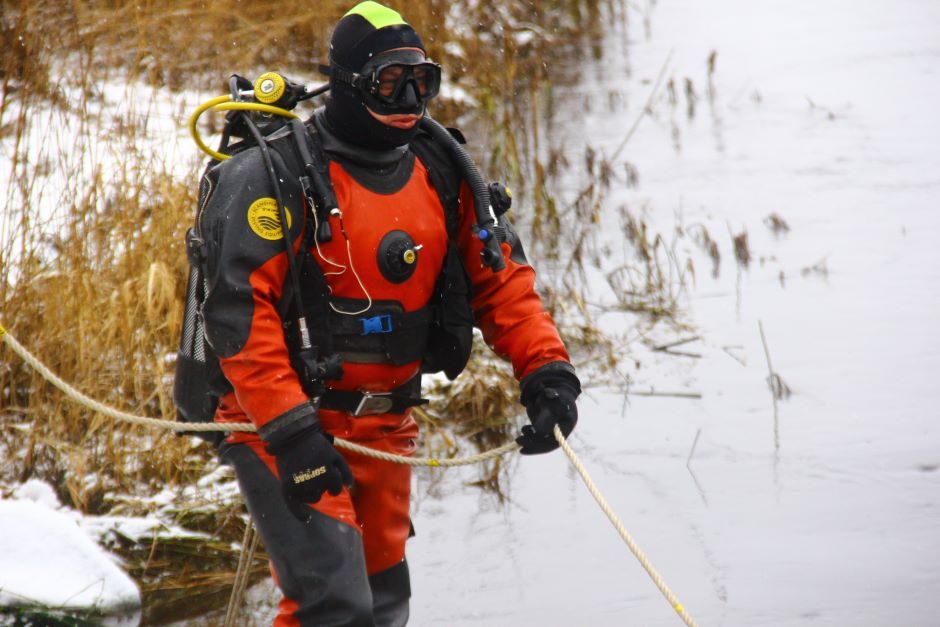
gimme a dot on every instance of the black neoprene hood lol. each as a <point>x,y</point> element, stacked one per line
<point>368,29</point>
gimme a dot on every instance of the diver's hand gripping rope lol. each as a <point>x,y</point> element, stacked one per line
<point>472,459</point>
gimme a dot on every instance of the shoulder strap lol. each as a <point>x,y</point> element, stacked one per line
<point>444,175</point>
<point>312,169</point>
<point>315,177</point>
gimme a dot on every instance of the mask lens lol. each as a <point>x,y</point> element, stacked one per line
<point>388,80</point>
<point>392,78</point>
<point>421,74</point>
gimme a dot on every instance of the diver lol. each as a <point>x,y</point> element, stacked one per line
<point>386,275</point>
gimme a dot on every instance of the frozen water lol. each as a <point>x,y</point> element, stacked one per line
<point>824,114</point>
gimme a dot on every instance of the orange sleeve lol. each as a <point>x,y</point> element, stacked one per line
<point>505,304</point>
<point>265,384</point>
<point>246,267</point>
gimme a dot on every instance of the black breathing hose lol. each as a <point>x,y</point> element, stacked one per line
<point>487,228</point>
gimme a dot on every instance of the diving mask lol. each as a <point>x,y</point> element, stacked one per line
<point>395,82</point>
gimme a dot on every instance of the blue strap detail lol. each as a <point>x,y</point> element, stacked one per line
<point>376,324</point>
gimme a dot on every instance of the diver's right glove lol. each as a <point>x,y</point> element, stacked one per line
<point>549,396</point>
<point>308,466</point>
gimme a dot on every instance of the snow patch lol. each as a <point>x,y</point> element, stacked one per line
<point>46,559</point>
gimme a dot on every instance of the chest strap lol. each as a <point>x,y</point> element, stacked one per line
<point>385,334</point>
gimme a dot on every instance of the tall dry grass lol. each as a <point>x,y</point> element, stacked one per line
<point>92,267</point>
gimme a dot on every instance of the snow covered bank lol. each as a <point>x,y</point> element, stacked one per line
<point>48,561</point>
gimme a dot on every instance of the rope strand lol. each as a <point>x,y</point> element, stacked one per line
<point>631,544</point>
<point>244,561</point>
<point>173,425</point>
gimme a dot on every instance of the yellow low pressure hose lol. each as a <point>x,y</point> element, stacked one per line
<point>224,103</point>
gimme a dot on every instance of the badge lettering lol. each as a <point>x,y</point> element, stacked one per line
<point>264,219</point>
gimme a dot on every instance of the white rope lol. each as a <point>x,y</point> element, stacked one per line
<point>241,575</point>
<point>428,461</point>
<point>605,506</point>
<point>101,408</point>
<point>173,425</point>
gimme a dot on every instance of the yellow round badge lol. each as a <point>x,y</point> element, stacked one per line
<point>264,220</point>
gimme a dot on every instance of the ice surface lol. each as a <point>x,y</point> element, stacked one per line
<point>823,113</point>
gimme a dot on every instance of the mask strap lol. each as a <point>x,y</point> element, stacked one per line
<point>342,74</point>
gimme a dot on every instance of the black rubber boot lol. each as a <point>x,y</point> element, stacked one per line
<point>391,590</point>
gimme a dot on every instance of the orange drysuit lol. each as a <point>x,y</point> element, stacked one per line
<point>247,271</point>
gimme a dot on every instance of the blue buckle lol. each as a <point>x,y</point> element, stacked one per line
<point>376,324</point>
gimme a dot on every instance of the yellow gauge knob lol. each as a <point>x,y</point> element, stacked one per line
<point>409,256</point>
<point>269,87</point>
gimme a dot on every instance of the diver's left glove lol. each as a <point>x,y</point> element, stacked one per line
<point>549,396</point>
<point>308,465</point>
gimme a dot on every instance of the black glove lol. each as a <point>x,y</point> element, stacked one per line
<point>309,466</point>
<point>549,396</point>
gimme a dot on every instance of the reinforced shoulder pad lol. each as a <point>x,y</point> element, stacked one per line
<point>241,226</point>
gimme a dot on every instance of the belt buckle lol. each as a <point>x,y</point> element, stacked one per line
<point>374,403</point>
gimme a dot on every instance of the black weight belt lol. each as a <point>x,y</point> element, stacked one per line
<point>370,403</point>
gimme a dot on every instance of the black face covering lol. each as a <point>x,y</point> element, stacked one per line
<point>349,118</point>
<point>363,34</point>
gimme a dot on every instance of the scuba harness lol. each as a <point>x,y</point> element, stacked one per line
<point>439,334</point>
